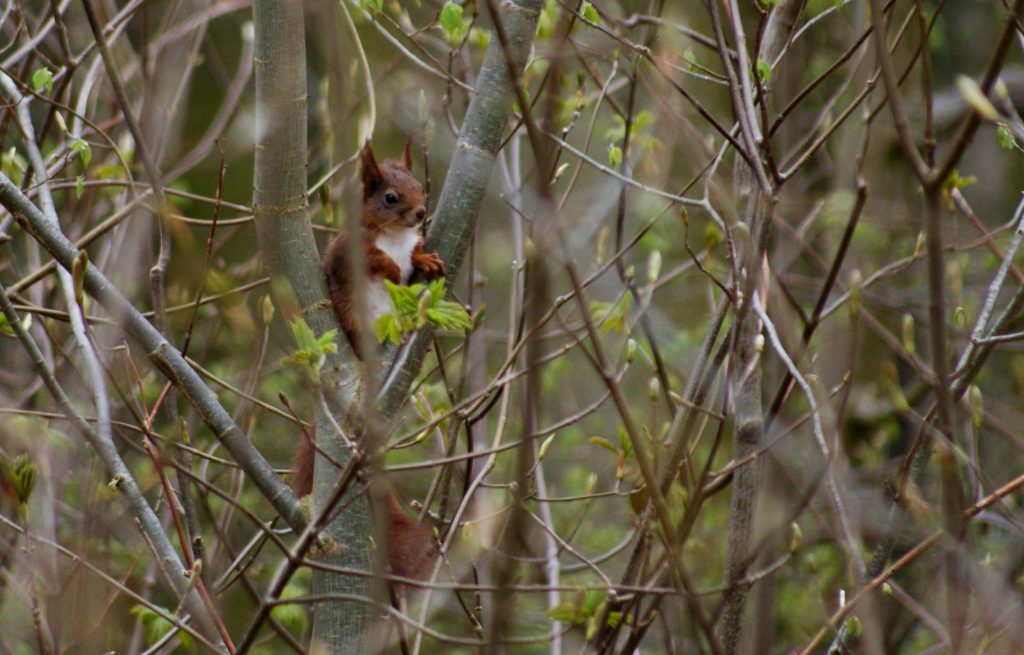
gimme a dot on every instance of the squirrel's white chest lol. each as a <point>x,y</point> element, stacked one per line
<point>398,245</point>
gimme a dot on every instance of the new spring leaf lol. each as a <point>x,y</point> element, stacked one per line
<point>413,306</point>
<point>312,350</point>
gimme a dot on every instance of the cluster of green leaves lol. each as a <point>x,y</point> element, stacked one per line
<point>416,305</point>
<point>586,607</point>
<point>312,350</point>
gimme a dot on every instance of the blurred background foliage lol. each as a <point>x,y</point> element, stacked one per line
<point>187,66</point>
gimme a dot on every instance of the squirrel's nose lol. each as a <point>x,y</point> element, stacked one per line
<point>421,212</point>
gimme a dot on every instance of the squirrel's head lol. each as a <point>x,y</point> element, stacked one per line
<point>392,197</point>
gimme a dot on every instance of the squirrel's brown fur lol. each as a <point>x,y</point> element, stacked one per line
<point>393,211</point>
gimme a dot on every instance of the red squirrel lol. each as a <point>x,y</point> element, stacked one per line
<point>393,212</point>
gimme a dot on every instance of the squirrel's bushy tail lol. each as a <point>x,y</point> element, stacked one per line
<point>410,544</point>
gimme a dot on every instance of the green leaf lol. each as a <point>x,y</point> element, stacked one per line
<point>955,183</point>
<point>630,350</point>
<point>653,266</point>
<point>592,602</point>
<point>24,478</point>
<point>618,131</point>
<point>18,479</point>
<point>83,150</point>
<point>403,296</point>
<point>267,309</point>
<point>414,306</point>
<point>450,316</point>
<point>852,626</point>
<point>614,156</point>
<point>976,403</point>
<point>304,335</point>
<point>79,186</point>
<point>588,12</point>
<point>764,71</point>
<point>562,168</point>
<point>156,626</point>
<point>712,236</point>
<point>292,615</point>
<point>563,613</point>
<point>603,443</point>
<point>642,121</point>
<point>437,289</point>
<point>676,500</point>
<point>372,5</point>
<point>452,24</point>
<point>312,350</point>
<point>326,205</point>
<point>451,16</point>
<point>690,59</point>
<point>625,443</point>
<point>5,327</point>
<point>386,329</point>
<point>42,81</point>
<point>796,537</point>
<point>611,317</point>
<point>446,313</point>
<point>78,269</point>
<point>907,332</point>
<point>480,38</point>
<point>13,165</point>
<point>544,447</point>
<point>1005,137</point>
<point>547,20</point>
<point>109,172</point>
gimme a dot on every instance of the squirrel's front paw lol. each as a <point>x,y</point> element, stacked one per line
<point>430,264</point>
<point>392,272</point>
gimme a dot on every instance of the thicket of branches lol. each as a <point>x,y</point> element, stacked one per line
<point>741,375</point>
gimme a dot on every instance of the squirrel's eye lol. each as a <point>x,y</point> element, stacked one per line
<point>390,197</point>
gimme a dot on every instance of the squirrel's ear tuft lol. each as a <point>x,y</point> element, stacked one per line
<point>407,155</point>
<point>369,169</point>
